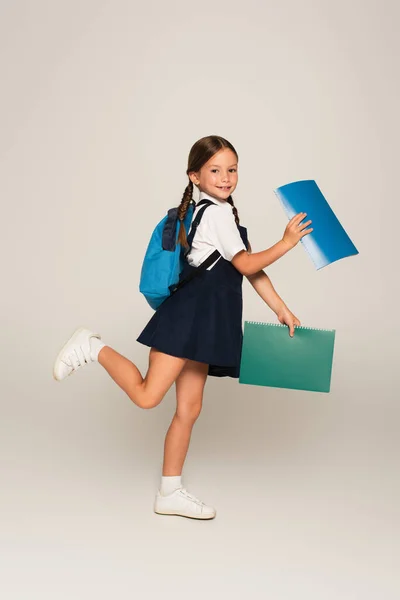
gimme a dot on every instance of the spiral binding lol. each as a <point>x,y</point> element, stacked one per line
<point>280,325</point>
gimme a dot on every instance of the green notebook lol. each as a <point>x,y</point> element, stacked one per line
<point>272,358</point>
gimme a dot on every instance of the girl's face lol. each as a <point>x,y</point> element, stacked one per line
<point>219,176</point>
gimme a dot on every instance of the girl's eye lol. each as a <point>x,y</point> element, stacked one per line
<point>213,170</point>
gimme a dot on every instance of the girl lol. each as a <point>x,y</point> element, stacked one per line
<point>197,331</point>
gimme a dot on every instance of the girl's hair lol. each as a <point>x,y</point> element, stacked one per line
<point>199,154</point>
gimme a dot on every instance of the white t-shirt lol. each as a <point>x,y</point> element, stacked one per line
<point>217,231</point>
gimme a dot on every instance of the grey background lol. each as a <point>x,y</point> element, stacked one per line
<point>100,104</point>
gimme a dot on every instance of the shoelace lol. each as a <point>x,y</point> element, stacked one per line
<point>191,497</point>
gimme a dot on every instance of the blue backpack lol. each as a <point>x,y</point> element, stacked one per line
<point>164,258</point>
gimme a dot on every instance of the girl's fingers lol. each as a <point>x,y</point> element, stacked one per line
<point>303,225</point>
<point>295,223</point>
<point>299,217</point>
<point>303,233</point>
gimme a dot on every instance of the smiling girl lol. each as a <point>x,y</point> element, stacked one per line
<point>197,331</point>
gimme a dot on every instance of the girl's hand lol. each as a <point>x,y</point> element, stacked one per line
<point>295,230</point>
<point>287,318</point>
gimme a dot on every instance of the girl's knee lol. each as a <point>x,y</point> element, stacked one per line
<point>189,412</point>
<point>149,403</point>
<point>146,401</point>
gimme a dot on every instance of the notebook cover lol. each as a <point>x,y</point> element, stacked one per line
<point>272,358</point>
<point>329,241</point>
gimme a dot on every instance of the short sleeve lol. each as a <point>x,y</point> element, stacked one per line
<point>222,232</point>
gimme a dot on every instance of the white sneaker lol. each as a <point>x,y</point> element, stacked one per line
<point>183,504</point>
<point>74,354</point>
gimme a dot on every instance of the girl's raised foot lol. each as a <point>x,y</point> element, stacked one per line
<point>76,352</point>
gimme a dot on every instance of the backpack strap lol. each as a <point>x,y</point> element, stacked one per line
<point>206,263</point>
<point>209,260</point>
<point>196,222</point>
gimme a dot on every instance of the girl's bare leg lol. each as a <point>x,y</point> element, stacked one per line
<point>145,392</point>
<point>189,396</point>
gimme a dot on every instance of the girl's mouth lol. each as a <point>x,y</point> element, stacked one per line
<point>225,189</point>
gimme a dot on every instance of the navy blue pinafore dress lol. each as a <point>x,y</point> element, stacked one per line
<point>202,320</point>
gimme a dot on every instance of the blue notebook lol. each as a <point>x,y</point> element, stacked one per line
<point>329,241</point>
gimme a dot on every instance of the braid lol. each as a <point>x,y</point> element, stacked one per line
<point>234,209</point>
<point>182,210</point>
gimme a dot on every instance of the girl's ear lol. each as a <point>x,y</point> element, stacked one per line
<point>193,178</point>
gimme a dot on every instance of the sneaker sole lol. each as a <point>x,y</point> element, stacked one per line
<point>175,514</point>
<point>58,359</point>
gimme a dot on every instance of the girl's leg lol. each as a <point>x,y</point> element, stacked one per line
<point>189,396</point>
<point>145,392</point>
<point>172,498</point>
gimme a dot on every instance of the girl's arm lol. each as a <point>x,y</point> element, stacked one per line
<point>250,264</point>
<point>264,288</point>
